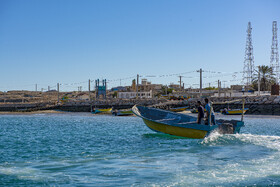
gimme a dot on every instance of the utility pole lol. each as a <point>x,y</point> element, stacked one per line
<point>219,92</point>
<point>200,89</point>
<point>89,89</point>
<point>48,88</point>
<point>259,82</point>
<point>180,82</point>
<point>224,88</point>
<point>57,93</point>
<point>105,82</point>
<point>89,96</point>
<point>36,87</point>
<point>96,88</point>
<point>137,86</point>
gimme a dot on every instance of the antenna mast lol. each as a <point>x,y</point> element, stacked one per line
<point>248,69</point>
<point>274,58</point>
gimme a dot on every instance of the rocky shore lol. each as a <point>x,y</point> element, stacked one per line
<point>259,105</point>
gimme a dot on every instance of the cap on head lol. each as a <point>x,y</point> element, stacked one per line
<point>206,100</point>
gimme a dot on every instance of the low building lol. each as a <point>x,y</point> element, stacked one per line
<point>119,89</point>
<point>132,95</point>
<point>174,86</point>
<point>146,86</point>
<point>83,96</point>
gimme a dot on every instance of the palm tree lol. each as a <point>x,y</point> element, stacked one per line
<point>266,78</point>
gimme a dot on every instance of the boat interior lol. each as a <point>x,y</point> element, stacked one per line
<point>167,117</point>
<point>162,116</point>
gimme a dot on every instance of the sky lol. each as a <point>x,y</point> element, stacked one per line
<point>71,41</point>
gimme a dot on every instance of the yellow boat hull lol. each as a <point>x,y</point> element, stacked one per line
<point>178,109</point>
<point>174,130</point>
<point>235,112</point>
<point>183,125</point>
<point>105,110</point>
<point>102,110</point>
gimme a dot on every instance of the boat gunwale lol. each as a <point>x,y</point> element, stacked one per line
<point>189,125</point>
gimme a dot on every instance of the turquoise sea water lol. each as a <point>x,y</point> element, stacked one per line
<point>79,149</point>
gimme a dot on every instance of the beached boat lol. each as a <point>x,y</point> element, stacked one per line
<point>234,111</point>
<point>101,110</point>
<point>194,110</point>
<point>122,112</point>
<point>183,125</point>
<point>178,109</point>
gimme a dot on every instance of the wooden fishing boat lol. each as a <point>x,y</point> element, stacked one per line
<point>181,124</point>
<point>234,111</point>
<point>178,109</point>
<point>101,110</point>
<point>194,110</point>
<point>122,112</point>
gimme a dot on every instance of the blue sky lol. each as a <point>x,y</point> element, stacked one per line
<point>68,42</point>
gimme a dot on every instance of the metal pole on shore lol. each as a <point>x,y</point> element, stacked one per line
<point>200,90</point>
<point>243,106</point>
<point>259,82</point>
<point>36,87</point>
<point>57,92</point>
<point>180,82</point>
<point>137,86</point>
<point>219,93</point>
<point>105,82</point>
<point>89,89</point>
<point>89,95</point>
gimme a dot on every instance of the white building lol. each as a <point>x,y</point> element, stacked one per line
<point>132,95</point>
<point>83,96</point>
<point>240,94</point>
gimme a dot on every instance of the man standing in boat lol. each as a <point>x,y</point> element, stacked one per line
<point>200,111</point>
<point>208,111</point>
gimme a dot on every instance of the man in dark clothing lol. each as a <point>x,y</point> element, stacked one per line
<point>200,111</point>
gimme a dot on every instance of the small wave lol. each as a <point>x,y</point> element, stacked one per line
<point>240,173</point>
<point>215,138</point>
<point>23,173</point>
<point>272,142</point>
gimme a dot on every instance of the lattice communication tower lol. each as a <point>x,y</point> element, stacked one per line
<point>248,68</point>
<point>274,58</point>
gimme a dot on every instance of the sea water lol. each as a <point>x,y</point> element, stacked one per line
<point>79,149</point>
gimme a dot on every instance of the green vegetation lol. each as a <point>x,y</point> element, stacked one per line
<point>165,89</point>
<point>211,88</point>
<point>115,94</point>
<point>266,78</point>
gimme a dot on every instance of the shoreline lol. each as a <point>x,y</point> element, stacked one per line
<point>187,112</point>
<point>33,112</point>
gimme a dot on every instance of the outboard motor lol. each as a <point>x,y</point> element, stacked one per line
<point>226,128</point>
